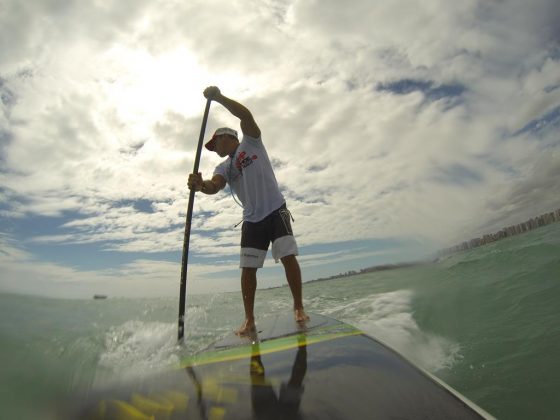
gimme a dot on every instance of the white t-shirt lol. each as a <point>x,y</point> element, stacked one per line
<point>251,177</point>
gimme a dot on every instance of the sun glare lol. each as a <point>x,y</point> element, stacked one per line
<point>143,86</point>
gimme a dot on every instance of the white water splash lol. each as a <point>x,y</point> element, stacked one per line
<point>140,348</point>
<point>137,348</point>
<point>388,317</point>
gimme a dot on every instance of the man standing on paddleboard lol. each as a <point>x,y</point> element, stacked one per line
<point>266,219</point>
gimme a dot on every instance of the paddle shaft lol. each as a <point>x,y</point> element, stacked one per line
<point>186,239</point>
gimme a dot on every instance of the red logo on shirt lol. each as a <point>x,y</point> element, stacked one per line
<point>243,161</point>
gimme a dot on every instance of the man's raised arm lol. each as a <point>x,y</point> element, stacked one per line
<point>248,124</point>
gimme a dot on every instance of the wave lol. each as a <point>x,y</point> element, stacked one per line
<point>389,318</point>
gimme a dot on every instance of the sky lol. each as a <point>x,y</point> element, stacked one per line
<point>396,128</point>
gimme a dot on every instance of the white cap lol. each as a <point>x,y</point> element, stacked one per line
<point>211,145</point>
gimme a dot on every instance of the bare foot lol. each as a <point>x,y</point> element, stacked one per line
<point>300,315</point>
<point>248,328</point>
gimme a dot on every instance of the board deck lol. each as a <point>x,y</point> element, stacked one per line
<point>271,327</point>
<point>324,369</point>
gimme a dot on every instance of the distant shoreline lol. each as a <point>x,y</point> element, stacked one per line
<point>382,267</point>
<point>507,232</point>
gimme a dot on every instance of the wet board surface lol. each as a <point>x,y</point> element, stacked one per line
<point>324,370</point>
<point>272,327</point>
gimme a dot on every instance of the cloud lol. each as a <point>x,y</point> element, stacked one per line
<point>23,273</point>
<point>421,122</point>
<point>536,192</point>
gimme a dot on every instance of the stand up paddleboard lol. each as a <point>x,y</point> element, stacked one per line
<point>325,369</point>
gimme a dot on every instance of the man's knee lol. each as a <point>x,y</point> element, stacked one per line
<point>249,271</point>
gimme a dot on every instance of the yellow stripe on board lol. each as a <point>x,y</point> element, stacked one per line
<point>271,346</point>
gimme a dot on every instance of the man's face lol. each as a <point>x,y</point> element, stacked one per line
<point>221,147</point>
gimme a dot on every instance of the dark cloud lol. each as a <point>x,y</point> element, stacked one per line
<point>428,88</point>
<point>7,96</point>
<point>458,175</point>
<point>549,121</point>
<point>534,192</point>
<point>317,168</point>
<point>28,30</point>
<point>143,206</point>
<point>133,149</point>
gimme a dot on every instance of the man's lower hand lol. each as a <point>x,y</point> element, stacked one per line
<point>195,182</point>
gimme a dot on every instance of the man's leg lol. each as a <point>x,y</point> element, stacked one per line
<point>248,289</point>
<point>254,245</point>
<point>293,275</point>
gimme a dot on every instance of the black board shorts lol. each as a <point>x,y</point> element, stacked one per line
<point>256,237</point>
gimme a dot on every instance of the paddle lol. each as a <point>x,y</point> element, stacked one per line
<point>185,259</point>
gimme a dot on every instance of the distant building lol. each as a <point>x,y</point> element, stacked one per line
<point>534,223</point>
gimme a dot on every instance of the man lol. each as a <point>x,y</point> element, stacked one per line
<point>266,219</point>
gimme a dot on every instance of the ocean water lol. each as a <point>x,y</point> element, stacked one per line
<point>486,321</point>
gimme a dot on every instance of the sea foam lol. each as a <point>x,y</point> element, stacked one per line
<point>389,318</point>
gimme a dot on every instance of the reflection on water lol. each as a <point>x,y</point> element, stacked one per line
<point>266,403</point>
